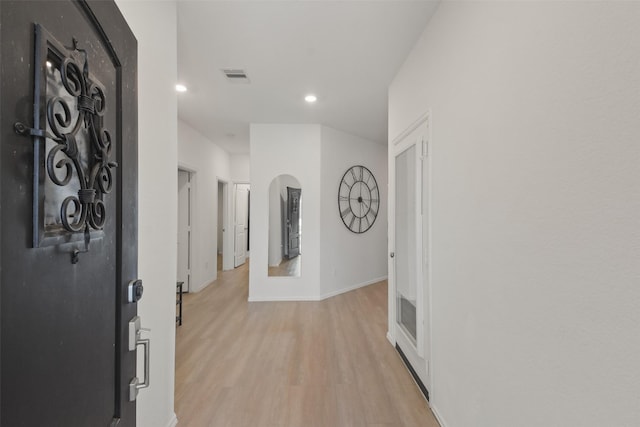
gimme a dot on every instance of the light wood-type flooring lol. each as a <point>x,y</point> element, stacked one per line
<point>291,364</point>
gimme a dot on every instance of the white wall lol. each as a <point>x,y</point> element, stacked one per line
<point>157,148</point>
<point>350,260</point>
<point>240,167</point>
<point>535,208</point>
<point>292,150</point>
<point>208,162</point>
<point>334,260</point>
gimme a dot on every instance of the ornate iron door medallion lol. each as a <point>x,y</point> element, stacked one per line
<point>72,165</point>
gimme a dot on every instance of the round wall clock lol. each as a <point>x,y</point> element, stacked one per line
<point>358,199</point>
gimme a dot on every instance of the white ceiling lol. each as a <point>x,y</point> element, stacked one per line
<point>345,52</point>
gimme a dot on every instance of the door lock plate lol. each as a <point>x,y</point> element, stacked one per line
<point>134,331</point>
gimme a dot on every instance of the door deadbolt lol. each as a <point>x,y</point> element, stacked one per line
<point>135,291</point>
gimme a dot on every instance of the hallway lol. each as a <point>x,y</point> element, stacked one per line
<point>291,364</point>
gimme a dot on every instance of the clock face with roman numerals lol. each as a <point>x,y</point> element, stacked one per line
<point>358,199</point>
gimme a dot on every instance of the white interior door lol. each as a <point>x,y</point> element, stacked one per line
<point>184,228</point>
<point>241,223</point>
<point>409,308</point>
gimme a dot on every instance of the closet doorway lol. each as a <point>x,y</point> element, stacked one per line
<point>409,262</point>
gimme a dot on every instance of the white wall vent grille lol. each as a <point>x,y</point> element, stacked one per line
<point>236,75</point>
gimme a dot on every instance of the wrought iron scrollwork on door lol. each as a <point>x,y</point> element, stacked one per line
<point>75,146</point>
<point>97,179</point>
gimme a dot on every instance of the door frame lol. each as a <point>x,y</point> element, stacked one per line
<point>424,153</point>
<point>192,223</point>
<point>227,241</point>
<point>233,218</point>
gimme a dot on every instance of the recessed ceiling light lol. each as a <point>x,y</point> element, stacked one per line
<point>181,88</point>
<point>310,98</point>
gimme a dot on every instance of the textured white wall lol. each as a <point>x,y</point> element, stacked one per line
<point>157,148</point>
<point>350,260</point>
<point>208,162</point>
<point>291,150</point>
<point>536,209</point>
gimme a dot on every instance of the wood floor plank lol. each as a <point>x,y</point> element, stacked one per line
<point>291,364</point>
<point>351,409</point>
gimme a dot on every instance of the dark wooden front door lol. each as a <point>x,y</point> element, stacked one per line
<point>293,222</point>
<point>68,171</point>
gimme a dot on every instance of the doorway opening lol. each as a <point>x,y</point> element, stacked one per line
<point>241,224</point>
<point>185,195</point>
<point>224,232</point>
<point>221,229</point>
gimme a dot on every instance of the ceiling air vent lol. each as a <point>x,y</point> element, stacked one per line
<point>236,75</point>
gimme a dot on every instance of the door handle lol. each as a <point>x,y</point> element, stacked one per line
<point>135,340</point>
<point>135,385</point>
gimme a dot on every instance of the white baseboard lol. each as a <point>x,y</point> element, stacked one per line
<point>352,288</point>
<point>437,415</point>
<point>390,339</point>
<point>276,264</point>
<point>203,285</point>
<point>173,422</point>
<point>320,297</point>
